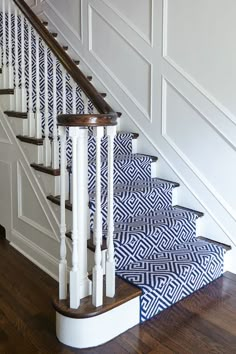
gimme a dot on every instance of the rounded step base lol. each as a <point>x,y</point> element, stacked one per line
<point>96,330</point>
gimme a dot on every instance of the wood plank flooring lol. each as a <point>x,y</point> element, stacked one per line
<point>202,323</point>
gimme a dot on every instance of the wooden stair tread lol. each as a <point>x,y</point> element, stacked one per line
<point>30,140</point>
<point>226,247</point>
<point>6,91</point>
<point>56,200</point>
<point>14,114</point>
<point>198,213</point>
<point>90,243</point>
<point>46,169</point>
<point>124,293</point>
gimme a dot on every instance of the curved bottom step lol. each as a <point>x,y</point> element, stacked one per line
<point>90,326</point>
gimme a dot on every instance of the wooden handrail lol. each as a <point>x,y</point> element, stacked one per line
<point>87,120</point>
<point>101,105</point>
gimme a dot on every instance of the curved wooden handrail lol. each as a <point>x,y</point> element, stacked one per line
<point>101,105</point>
<point>87,120</point>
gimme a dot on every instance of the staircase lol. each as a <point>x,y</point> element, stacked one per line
<point>117,220</point>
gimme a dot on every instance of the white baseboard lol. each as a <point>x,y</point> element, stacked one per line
<point>35,254</point>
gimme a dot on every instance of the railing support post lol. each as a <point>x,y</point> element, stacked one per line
<point>110,263</point>
<point>74,273</point>
<point>63,261</point>
<point>97,296</point>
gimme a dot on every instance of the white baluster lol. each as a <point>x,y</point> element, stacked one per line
<point>55,146</point>
<point>97,296</point>
<point>82,189</point>
<point>38,120</point>
<point>4,69</point>
<point>74,86</point>
<point>46,142</point>
<point>31,117</point>
<point>74,273</point>
<point>85,100</point>
<point>63,262</point>
<point>10,66</point>
<point>17,80</point>
<point>110,263</point>
<point>63,90</point>
<point>23,89</point>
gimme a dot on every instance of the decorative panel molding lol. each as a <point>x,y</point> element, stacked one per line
<point>191,135</point>
<point>134,76</point>
<point>70,13</point>
<point>31,2</point>
<point>207,61</point>
<point>4,137</point>
<point>29,208</point>
<point>138,16</point>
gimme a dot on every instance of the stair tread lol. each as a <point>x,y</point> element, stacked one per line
<point>56,200</point>
<point>199,213</point>
<point>6,91</point>
<point>226,247</point>
<point>46,169</point>
<point>16,114</point>
<point>124,293</point>
<point>167,277</point>
<point>30,140</point>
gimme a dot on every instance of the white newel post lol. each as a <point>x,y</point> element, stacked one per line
<point>63,261</point>
<point>55,146</point>
<point>4,45</point>
<point>46,142</point>
<point>10,66</point>
<point>74,273</point>
<point>110,263</point>
<point>38,120</point>
<point>82,190</point>
<point>31,119</point>
<point>17,80</point>
<point>97,295</point>
<point>23,89</point>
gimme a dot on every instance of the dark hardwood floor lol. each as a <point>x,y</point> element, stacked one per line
<point>202,323</point>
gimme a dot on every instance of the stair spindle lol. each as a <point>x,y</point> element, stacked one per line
<point>31,118</point>
<point>63,90</point>
<point>23,89</point>
<point>46,142</point>
<point>38,120</point>
<point>63,261</point>
<point>10,67</point>
<point>4,40</point>
<point>97,295</point>
<point>110,263</point>
<point>82,189</point>
<point>74,87</point>
<point>55,146</point>
<point>74,273</point>
<point>17,79</point>
<point>85,101</point>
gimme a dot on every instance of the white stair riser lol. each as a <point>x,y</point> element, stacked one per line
<point>34,153</point>
<point>94,331</point>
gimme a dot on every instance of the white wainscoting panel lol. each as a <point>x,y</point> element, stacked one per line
<point>29,208</point>
<point>138,16</point>
<point>71,11</point>
<point>201,43</point>
<point>133,75</point>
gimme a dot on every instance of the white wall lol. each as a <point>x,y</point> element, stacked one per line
<point>169,66</point>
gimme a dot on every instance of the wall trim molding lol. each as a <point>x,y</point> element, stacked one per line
<point>35,254</point>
